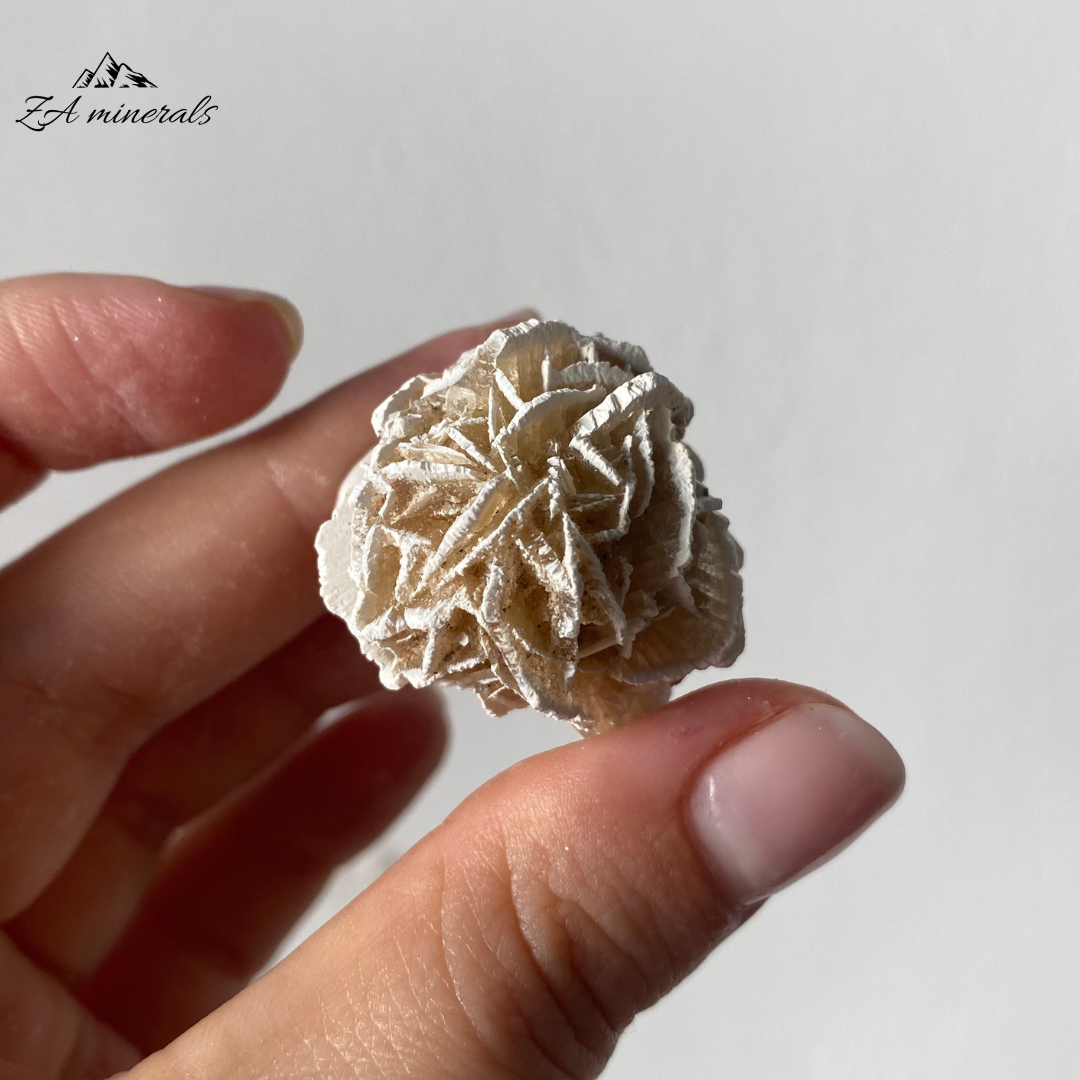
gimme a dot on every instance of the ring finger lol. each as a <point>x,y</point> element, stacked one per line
<point>185,769</point>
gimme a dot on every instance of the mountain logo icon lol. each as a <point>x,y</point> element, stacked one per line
<point>111,73</point>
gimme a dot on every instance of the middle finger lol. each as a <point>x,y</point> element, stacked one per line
<point>153,602</point>
<point>185,769</point>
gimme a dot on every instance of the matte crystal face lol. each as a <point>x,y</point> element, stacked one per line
<point>531,525</point>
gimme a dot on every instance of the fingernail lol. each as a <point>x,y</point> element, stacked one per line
<point>286,311</point>
<point>788,797</point>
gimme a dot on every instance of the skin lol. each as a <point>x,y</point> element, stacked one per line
<point>167,809</point>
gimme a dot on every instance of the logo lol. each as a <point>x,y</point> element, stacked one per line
<point>40,112</point>
<point>110,73</point>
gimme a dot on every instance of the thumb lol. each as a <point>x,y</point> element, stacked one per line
<point>571,892</point>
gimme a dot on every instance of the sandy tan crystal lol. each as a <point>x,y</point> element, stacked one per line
<point>531,525</point>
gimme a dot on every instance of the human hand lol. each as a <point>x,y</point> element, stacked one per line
<point>166,811</point>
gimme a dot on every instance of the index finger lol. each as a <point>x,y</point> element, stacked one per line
<point>97,366</point>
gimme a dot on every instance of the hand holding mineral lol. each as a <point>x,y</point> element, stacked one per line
<point>170,804</point>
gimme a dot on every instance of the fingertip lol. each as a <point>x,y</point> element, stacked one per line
<point>97,366</point>
<point>284,309</point>
<point>768,779</point>
<point>352,778</point>
<point>438,352</point>
<point>775,804</point>
<point>406,727</point>
<point>519,316</point>
<point>18,475</point>
<point>376,751</point>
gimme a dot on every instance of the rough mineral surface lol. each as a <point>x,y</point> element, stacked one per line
<point>531,525</point>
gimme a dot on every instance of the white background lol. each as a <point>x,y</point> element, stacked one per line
<point>850,232</point>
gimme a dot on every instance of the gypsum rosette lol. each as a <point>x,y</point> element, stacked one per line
<point>531,525</point>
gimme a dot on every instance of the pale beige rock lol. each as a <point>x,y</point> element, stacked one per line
<point>531,525</point>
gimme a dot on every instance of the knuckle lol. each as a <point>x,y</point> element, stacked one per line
<point>569,951</point>
<point>103,729</point>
